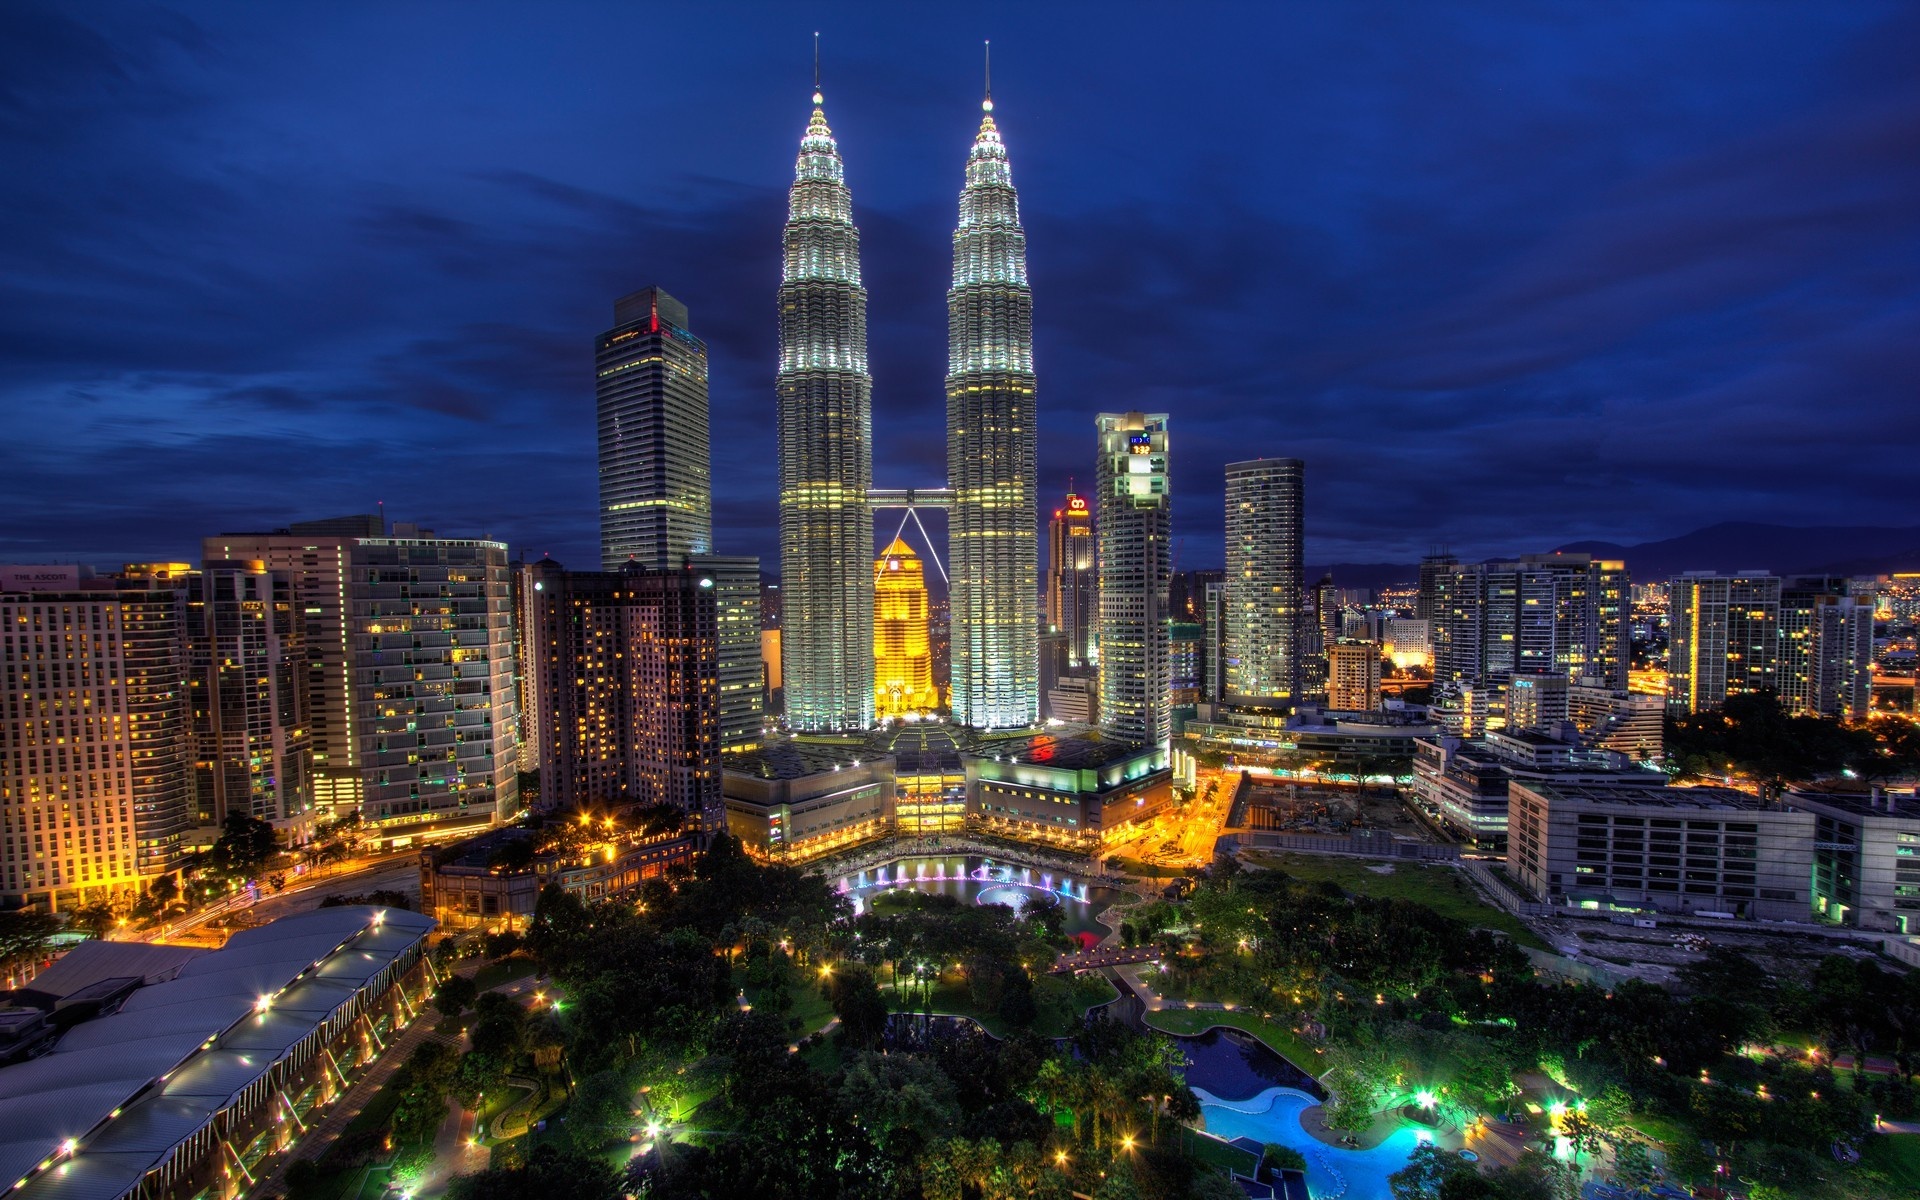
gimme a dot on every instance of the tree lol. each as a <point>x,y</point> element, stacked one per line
<point>96,918</point>
<point>245,845</point>
<point>1435,1174</point>
<point>601,1111</point>
<point>857,1002</point>
<point>455,995</point>
<point>551,1173</point>
<point>24,936</point>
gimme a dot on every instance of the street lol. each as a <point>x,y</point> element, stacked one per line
<point>392,872</point>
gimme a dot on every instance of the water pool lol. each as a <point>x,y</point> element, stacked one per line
<point>981,880</point>
<point>1332,1171</point>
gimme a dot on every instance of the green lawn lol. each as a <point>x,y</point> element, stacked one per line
<point>1897,1156</point>
<point>951,999</point>
<point>1660,1129</point>
<point>1281,1040</point>
<point>1216,1153</point>
<point>1443,889</point>
<point>810,1007</point>
<point>505,971</point>
<point>1135,866</point>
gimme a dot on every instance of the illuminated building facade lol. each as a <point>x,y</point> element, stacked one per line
<point>431,626</point>
<point>1541,614</point>
<point>736,597</point>
<point>1073,579</point>
<point>992,544</point>
<point>825,431</point>
<point>656,475</point>
<point>902,657</point>
<point>1134,532</point>
<point>94,746</point>
<point>315,555</point>
<point>627,666</point>
<point>247,663</point>
<point>1826,648</point>
<point>1353,676</point>
<point>1265,542</point>
<point>1723,636</point>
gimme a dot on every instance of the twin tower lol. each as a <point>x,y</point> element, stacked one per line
<point>827,495</point>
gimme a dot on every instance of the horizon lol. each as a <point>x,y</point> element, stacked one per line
<point>376,265</point>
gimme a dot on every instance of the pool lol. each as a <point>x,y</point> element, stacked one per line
<point>980,880</point>
<point>1332,1171</point>
<point>1233,1065</point>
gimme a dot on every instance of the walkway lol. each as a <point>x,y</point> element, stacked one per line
<point>1104,956</point>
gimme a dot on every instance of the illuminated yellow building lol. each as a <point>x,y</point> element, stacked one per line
<point>902,657</point>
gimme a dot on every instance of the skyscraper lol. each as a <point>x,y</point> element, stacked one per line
<point>626,664</point>
<point>743,695</point>
<point>94,744</point>
<point>1353,676</point>
<point>1071,578</point>
<point>991,538</point>
<point>431,625</point>
<point>315,555</point>
<point>1723,638</point>
<point>1134,529</point>
<point>825,430</point>
<point>247,670</point>
<point>903,658</point>
<point>656,477</point>
<point>1542,614</point>
<point>1431,567</point>
<point>1264,544</point>
<point>1826,648</point>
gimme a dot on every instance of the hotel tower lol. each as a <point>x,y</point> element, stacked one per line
<point>826,448</point>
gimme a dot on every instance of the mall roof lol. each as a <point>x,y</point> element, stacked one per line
<point>90,962</point>
<point>129,1088</point>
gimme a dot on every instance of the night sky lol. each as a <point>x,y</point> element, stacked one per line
<point>1505,277</point>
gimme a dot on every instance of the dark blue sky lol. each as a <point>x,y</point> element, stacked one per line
<point>1505,276</point>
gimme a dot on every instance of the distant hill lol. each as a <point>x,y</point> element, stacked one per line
<point>1782,549</point>
<point>1366,575</point>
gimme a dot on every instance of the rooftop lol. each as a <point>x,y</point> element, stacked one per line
<point>1654,796</point>
<point>129,1088</point>
<point>1890,805</point>
<point>797,760</point>
<point>1082,753</point>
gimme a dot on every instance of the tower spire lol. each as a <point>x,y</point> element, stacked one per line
<point>817,98</point>
<point>987,104</point>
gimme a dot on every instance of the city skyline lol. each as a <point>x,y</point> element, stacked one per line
<point>216,379</point>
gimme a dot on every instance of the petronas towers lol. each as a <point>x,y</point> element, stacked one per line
<point>827,496</point>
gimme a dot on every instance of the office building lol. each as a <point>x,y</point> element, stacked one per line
<point>991,428</point>
<point>1465,781</point>
<point>1186,661</point>
<point>1353,676</point>
<point>1075,699</point>
<point>1826,648</point>
<point>902,656</point>
<point>315,555</point>
<point>95,747</point>
<point>656,475</point>
<point>1073,580</point>
<point>1537,701</point>
<point>1081,795</point>
<point>743,688</point>
<point>627,666</point>
<point>1432,566</point>
<point>1134,531</point>
<point>1692,850</point>
<point>245,693</point>
<point>825,431</point>
<point>1866,857</point>
<point>1723,638</point>
<point>1265,540</point>
<point>433,695</point>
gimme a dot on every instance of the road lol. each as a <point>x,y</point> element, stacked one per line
<point>390,873</point>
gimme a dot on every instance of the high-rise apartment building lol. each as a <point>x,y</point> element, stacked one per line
<point>1723,638</point>
<point>315,555</point>
<point>1072,579</point>
<point>1543,614</point>
<point>1431,567</point>
<point>1353,676</point>
<point>431,626</point>
<point>626,664</point>
<point>991,427</point>
<point>95,765</point>
<point>1826,648</point>
<point>246,692</point>
<point>1213,642</point>
<point>903,657</point>
<point>1537,702</point>
<point>825,431</point>
<point>1134,531</point>
<point>656,473</point>
<point>1265,538</point>
<point>743,687</point>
